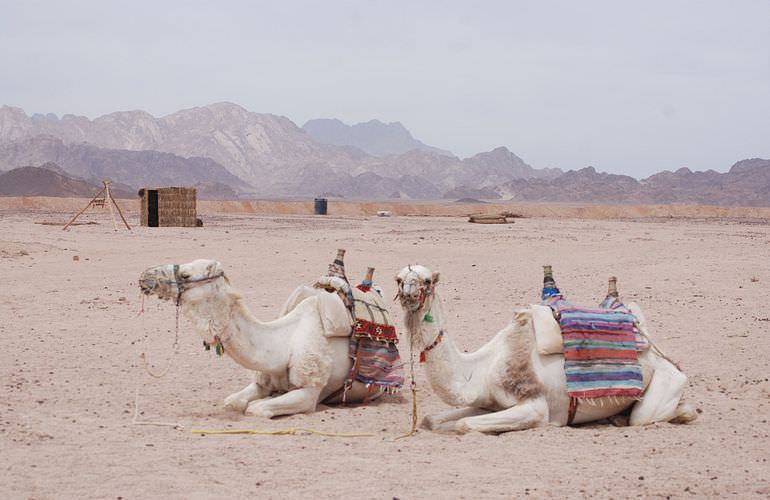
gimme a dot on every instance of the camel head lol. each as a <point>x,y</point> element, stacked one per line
<point>416,285</point>
<point>190,282</point>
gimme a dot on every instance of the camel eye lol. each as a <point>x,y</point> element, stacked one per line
<point>427,282</point>
<point>185,276</point>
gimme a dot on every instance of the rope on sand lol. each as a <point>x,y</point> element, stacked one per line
<point>135,420</point>
<point>292,431</point>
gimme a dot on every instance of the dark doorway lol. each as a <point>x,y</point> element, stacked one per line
<point>152,208</point>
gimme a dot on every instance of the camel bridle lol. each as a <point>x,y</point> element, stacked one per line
<point>182,284</point>
<point>426,289</point>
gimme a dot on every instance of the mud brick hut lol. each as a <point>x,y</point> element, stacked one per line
<point>168,207</point>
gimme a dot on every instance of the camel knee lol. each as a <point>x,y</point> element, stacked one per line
<point>259,409</point>
<point>238,401</point>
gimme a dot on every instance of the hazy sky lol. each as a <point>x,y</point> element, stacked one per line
<point>628,87</point>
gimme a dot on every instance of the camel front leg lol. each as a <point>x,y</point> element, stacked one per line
<point>258,389</point>
<point>446,420</point>
<point>525,415</point>
<point>297,401</point>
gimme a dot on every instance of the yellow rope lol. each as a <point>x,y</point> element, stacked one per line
<point>413,431</point>
<point>292,431</point>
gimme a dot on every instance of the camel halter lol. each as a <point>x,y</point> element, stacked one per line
<point>425,291</point>
<point>433,344</point>
<point>182,285</point>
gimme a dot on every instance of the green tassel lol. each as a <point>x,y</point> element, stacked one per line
<point>220,349</point>
<point>428,318</point>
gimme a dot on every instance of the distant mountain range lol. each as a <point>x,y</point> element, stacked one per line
<point>229,152</point>
<point>373,137</point>
<point>747,183</point>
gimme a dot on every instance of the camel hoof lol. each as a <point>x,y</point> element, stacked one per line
<point>236,404</point>
<point>258,410</point>
<point>428,423</point>
<point>684,414</point>
<point>620,420</point>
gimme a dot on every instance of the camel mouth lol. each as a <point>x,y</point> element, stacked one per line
<point>147,287</point>
<point>410,304</point>
<point>150,283</point>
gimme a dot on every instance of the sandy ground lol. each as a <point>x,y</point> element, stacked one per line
<point>71,338</point>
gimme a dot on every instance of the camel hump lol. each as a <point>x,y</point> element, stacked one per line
<point>330,308</point>
<point>298,295</point>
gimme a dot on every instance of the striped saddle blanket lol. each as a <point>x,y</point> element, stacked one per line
<point>376,361</point>
<point>600,349</point>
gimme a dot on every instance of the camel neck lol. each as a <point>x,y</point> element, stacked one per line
<point>250,343</point>
<point>443,360</point>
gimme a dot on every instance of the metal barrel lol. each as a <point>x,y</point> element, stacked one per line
<point>320,206</point>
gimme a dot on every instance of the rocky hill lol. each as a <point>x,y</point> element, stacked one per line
<point>133,168</point>
<point>373,137</point>
<point>51,180</point>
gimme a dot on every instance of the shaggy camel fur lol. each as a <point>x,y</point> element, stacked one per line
<point>507,385</point>
<point>296,363</point>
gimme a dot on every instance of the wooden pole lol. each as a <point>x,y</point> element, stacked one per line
<point>112,212</point>
<point>84,209</point>
<point>120,212</point>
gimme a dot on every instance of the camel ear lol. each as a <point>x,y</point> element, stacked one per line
<point>214,268</point>
<point>522,316</point>
<point>434,278</point>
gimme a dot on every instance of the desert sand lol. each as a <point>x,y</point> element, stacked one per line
<point>71,335</point>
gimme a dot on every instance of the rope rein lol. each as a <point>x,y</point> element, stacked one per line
<point>175,349</point>
<point>413,387</point>
<point>424,296</point>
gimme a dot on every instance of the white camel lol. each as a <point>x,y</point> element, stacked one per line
<point>299,359</point>
<point>507,385</point>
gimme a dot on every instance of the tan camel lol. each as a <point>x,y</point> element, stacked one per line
<point>299,359</point>
<point>507,385</point>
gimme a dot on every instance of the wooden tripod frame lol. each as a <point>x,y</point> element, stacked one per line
<point>110,202</point>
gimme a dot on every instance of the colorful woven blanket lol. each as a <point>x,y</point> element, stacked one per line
<point>376,361</point>
<point>600,350</point>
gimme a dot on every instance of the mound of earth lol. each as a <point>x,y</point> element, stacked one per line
<point>469,201</point>
<point>50,180</point>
